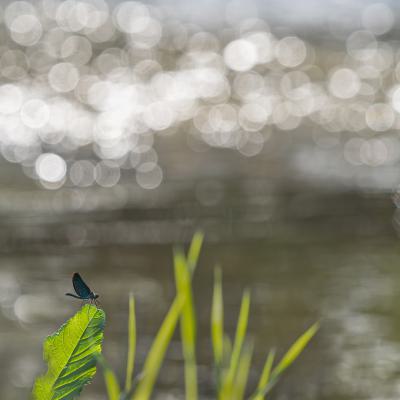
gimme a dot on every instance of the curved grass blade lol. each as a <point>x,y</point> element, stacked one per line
<point>265,375</point>
<point>241,329</point>
<point>217,320</point>
<point>71,356</point>
<point>294,351</point>
<point>157,351</point>
<point>156,354</point>
<point>187,324</point>
<point>194,250</point>
<point>243,370</point>
<point>112,385</point>
<point>131,344</point>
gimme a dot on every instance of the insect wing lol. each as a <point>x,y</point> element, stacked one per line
<point>81,289</point>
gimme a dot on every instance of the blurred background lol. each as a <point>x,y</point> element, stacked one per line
<point>273,126</point>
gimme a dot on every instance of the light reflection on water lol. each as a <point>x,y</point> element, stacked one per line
<point>348,279</point>
<point>89,89</point>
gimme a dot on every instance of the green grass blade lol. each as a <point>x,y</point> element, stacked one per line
<point>217,319</point>
<point>295,350</point>
<point>188,324</point>
<point>226,357</point>
<point>131,344</point>
<point>111,381</point>
<point>241,329</point>
<point>157,351</point>
<point>194,250</point>
<point>71,356</point>
<point>242,375</point>
<point>288,359</point>
<point>228,377</point>
<point>265,375</point>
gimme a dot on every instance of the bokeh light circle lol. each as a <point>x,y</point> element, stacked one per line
<point>50,167</point>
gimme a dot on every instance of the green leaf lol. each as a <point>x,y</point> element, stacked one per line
<point>217,320</point>
<point>188,324</point>
<point>157,351</point>
<point>112,385</point>
<point>71,356</point>
<point>131,344</point>
<point>264,378</point>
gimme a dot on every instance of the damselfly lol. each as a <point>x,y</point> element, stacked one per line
<point>82,290</point>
